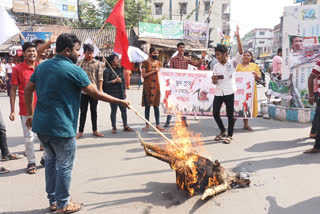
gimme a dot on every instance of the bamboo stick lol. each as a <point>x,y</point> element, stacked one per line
<point>96,37</point>
<point>157,130</point>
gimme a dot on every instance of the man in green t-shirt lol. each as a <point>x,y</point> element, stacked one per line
<point>58,83</point>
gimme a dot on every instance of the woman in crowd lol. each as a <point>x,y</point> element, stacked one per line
<point>114,84</point>
<point>151,87</point>
<point>248,65</point>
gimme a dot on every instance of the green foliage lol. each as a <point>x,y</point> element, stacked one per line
<point>88,15</point>
<point>136,11</point>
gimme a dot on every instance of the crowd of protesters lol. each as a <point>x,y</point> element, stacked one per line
<point>39,82</point>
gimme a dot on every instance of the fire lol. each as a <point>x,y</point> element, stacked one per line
<point>192,173</point>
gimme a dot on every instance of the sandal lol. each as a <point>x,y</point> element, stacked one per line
<point>31,168</point>
<point>145,129</point>
<point>227,140</point>
<point>53,208</point>
<point>98,134</point>
<point>3,170</point>
<point>72,207</point>
<point>221,136</point>
<point>128,129</point>
<point>312,135</point>
<point>114,131</point>
<point>312,151</point>
<point>248,128</point>
<point>11,157</point>
<point>160,128</point>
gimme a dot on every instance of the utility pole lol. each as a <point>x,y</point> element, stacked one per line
<point>170,9</point>
<point>181,12</point>
<point>34,12</point>
<point>197,10</point>
<point>29,14</point>
<point>208,21</point>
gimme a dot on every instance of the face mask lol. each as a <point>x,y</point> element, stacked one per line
<point>155,57</point>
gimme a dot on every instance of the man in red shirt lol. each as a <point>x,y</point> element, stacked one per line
<point>182,62</point>
<point>20,77</point>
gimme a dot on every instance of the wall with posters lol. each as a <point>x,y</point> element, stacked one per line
<point>56,8</point>
<point>191,93</point>
<point>301,28</point>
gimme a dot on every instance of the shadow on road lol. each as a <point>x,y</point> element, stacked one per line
<point>276,163</point>
<point>279,145</point>
<point>40,211</point>
<point>158,194</point>
<point>134,174</point>
<point>308,206</point>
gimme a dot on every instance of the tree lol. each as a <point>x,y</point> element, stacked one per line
<point>135,11</point>
<point>88,15</point>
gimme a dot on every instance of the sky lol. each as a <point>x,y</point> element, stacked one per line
<point>249,14</point>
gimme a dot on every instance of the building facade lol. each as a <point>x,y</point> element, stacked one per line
<point>216,13</point>
<point>259,41</point>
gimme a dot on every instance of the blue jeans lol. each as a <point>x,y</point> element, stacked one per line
<point>60,154</point>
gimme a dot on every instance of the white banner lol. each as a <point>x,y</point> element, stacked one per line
<point>191,93</point>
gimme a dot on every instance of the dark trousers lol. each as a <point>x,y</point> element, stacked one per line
<point>9,84</point>
<point>315,121</point>
<point>169,117</point>
<point>317,117</point>
<point>3,138</point>
<point>113,115</point>
<point>229,102</point>
<point>85,100</point>
<point>147,111</point>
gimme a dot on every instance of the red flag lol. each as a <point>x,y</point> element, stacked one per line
<point>121,45</point>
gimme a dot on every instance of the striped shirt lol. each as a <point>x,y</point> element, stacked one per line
<point>316,72</point>
<point>182,62</point>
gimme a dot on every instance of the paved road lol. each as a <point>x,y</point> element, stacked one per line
<point>112,174</point>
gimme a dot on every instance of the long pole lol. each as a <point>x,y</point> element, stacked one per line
<point>157,130</point>
<point>96,37</point>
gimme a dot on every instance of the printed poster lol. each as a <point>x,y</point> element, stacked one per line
<point>191,93</point>
<point>301,32</point>
<point>150,30</point>
<point>172,29</point>
<point>29,36</point>
<point>56,8</point>
<point>196,30</point>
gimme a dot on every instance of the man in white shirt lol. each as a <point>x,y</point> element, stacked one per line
<point>224,78</point>
<point>9,67</point>
<point>3,68</point>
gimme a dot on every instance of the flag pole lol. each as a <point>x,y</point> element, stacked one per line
<point>96,37</point>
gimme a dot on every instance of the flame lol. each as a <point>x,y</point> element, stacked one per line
<point>187,161</point>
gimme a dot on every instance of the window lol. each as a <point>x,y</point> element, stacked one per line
<point>158,7</point>
<point>225,9</point>
<point>206,7</point>
<point>262,33</point>
<point>261,42</point>
<point>183,8</point>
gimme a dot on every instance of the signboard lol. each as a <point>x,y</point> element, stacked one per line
<point>29,36</point>
<point>56,8</point>
<point>150,30</point>
<point>299,1</point>
<point>172,29</point>
<point>191,93</point>
<point>300,45</point>
<point>196,30</point>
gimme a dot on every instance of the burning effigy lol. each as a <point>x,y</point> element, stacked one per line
<point>195,174</point>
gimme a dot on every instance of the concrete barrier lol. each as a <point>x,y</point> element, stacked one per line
<point>301,115</point>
